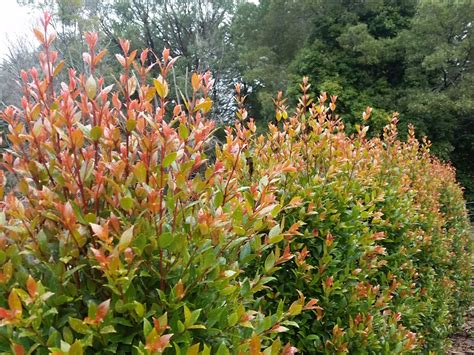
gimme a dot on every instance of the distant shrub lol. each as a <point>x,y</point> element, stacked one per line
<point>382,238</point>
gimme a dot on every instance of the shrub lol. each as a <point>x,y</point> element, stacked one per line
<point>120,236</point>
<point>382,239</point>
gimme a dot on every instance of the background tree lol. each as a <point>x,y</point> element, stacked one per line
<point>266,37</point>
<point>405,56</point>
<point>197,31</point>
<point>438,82</point>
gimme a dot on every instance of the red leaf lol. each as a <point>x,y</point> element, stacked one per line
<point>160,343</point>
<point>102,311</point>
<point>18,349</point>
<point>289,350</point>
<point>100,257</point>
<point>101,232</point>
<point>4,313</point>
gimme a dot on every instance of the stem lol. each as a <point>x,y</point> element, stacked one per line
<point>162,174</point>
<point>234,166</point>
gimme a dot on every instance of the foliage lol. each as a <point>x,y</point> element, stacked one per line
<point>381,234</point>
<point>120,235</point>
<point>127,232</point>
<point>414,57</point>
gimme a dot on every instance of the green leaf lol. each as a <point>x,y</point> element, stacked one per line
<point>131,124</point>
<point>165,240</point>
<point>295,308</point>
<point>54,337</point>
<point>228,290</point>
<point>161,86</point>
<point>187,316</point>
<point>205,105</point>
<point>139,309</point>
<point>76,348</point>
<point>195,315</point>
<point>91,87</point>
<point>140,172</point>
<point>169,159</point>
<point>218,198</point>
<point>193,350</point>
<point>126,239</point>
<point>276,210</point>
<point>233,319</point>
<point>222,350</point>
<point>269,262</point>
<point>126,203</point>
<point>206,350</point>
<point>42,241</point>
<point>183,131</point>
<point>78,326</point>
<point>274,231</point>
<point>96,133</point>
<point>65,346</point>
<point>147,328</point>
<point>108,329</point>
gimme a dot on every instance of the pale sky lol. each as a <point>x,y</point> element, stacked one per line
<point>15,21</point>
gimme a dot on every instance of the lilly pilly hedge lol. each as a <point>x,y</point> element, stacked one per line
<point>382,238</point>
<point>125,233</point>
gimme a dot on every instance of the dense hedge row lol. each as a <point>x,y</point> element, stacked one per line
<point>383,238</point>
<point>126,233</point>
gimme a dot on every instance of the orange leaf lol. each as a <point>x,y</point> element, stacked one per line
<point>101,232</point>
<point>15,304</point>
<point>99,56</point>
<point>180,289</point>
<point>196,82</point>
<point>39,35</point>
<point>77,138</point>
<point>100,257</point>
<point>255,345</point>
<point>32,287</point>
<point>58,68</point>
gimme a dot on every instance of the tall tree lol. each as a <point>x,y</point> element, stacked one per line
<point>197,31</point>
<point>414,57</point>
<point>439,80</point>
<point>266,37</point>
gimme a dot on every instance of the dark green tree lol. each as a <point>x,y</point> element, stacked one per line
<point>266,38</point>
<point>406,56</point>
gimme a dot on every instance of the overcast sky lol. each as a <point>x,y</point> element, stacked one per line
<point>15,21</point>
